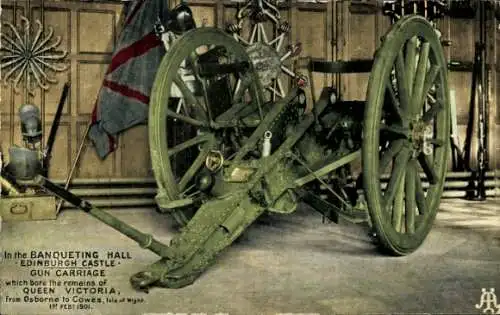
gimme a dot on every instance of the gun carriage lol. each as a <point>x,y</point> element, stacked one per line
<point>223,154</point>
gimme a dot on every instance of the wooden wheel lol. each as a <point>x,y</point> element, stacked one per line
<point>204,90</point>
<point>406,133</point>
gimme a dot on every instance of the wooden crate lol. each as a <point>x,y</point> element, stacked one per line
<point>26,208</point>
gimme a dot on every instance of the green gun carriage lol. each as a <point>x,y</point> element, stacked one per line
<point>223,155</point>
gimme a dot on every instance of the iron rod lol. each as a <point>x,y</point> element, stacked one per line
<point>144,240</point>
<point>75,163</point>
<point>328,168</point>
<point>105,191</point>
<point>118,203</point>
<point>108,181</point>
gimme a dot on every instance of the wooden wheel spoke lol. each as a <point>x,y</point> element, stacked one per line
<point>394,148</point>
<point>418,85</point>
<point>411,61</point>
<point>193,169</point>
<point>393,102</point>
<point>397,209</point>
<point>241,87</point>
<point>395,130</point>
<point>189,143</point>
<point>231,113</point>
<point>402,83</point>
<point>410,197</point>
<point>419,194</point>
<point>428,168</point>
<point>399,169</point>
<point>432,112</point>
<point>430,79</point>
<point>189,97</point>
<point>186,119</point>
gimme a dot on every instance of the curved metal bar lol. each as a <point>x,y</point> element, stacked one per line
<point>14,60</point>
<point>37,78</point>
<point>12,42</point>
<point>38,34</point>
<point>52,67</point>
<point>45,40</point>
<point>49,47</point>
<point>11,72</point>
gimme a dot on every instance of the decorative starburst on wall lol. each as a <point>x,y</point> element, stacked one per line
<point>26,55</point>
<point>266,51</point>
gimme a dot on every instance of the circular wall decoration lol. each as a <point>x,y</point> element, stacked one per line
<point>27,55</point>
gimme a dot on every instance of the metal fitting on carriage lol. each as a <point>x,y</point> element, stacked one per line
<point>214,161</point>
<point>332,97</point>
<point>301,101</point>
<point>427,146</point>
<point>266,146</point>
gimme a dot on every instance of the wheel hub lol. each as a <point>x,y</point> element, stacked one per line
<point>266,62</point>
<point>420,136</point>
<point>214,160</point>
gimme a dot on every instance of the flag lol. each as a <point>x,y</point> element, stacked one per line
<point>123,98</point>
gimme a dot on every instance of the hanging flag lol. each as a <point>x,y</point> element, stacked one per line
<point>123,99</point>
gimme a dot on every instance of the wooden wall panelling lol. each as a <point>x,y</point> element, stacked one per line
<point>88,82</point>
<point>4,138</point>
<point>311,28</point>
<point>97,30</point>
<point>94,23</point>
<point>204,12</point>
<point>333,37</point>
<point>494,131</point>
<point>76,117</point>
<point>494,108</point>
<point>462,34</point>
<point>341,24</point>
<point>361,36</point>
<point>492,29</point>
<point>95,38</point>
<point>361,44</point>
<point>90,165</point>
<point>60,20</point>
<point>61,152</point>
<point>135,162</point>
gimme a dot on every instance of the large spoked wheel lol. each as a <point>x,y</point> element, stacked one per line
<point>203,98</point>
<point>405,134</point>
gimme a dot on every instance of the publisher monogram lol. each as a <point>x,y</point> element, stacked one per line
<point>488,302</point>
